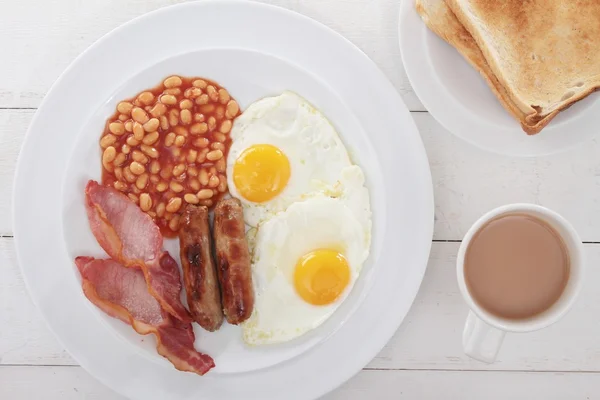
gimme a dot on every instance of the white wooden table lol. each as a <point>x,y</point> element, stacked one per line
<point>424,360</point>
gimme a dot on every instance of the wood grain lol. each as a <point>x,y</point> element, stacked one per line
<point>73,383</point>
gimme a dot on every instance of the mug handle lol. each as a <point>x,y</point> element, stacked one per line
<point>481,341</point>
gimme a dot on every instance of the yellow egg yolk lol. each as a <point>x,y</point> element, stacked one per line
<point>261,172</point>
<point>321,276</point>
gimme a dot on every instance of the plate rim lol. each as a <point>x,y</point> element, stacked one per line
<point>426,184</point>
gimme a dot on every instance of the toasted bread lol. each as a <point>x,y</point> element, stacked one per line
<point>442,21</point>
<point>543,52</point>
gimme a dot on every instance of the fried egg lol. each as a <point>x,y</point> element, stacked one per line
<point>306,260</point>
<point>283,150</point>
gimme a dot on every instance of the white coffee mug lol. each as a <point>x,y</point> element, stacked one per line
<point>484,331</point>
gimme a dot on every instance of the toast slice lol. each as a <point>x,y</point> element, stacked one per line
<point>442,21</point>
<point>543,52</point>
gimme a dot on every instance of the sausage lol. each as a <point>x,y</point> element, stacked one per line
<point>199,271</point>
<point>233,261</point>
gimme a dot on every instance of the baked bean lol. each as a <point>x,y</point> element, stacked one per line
<point>123,117</point>
<point>194,184</point>
<point>199,117</point>
<point>174,117</point>
<point>154,179</point>
<point>221,165</point>
<point>125,149</point>
<point>145,202</point>
<point>170,139</point>
<point>223,96</point>
<point>217,146</point>
<point>166,172</point>
<point>164,123</point>
<point>132,141</point>
<point>139,115</point>
<point>146,98</point>
<point>152,214</point>
<point>160,209</point>
<point>139,157</point>
<point>162,186</point>
<point>202,156</point>
<point>219,137</point>
<point>137,168</point>
<point>151,138</point>
<point>199,128</point>
<point>186,104</point>
<point>155,167</point>
<point>212,123</point>
<point>192,93</point>
<point>176,187</point>
<point>128,126</point>
<point>204,194</point>
<point>212,93</point>
<point>141,181</point>
<point>222,184</point>
<point>172,81</point>
<point>168,99</point>
<point>124,107</point>
<point>152,125</point>
<point>232,109</point>
<point>191,156</point>
<point>191,198</point>
<point>158,110</point>
<point>206,203</point>
<point>201,100</point>
<point>172,91</point>
<point>214,155</point>
<point>129,176</point>
<point>180,130</point>
<point>199,83</point>
<point>213,182</point>
<point>201,142</point>
<point>138,131</point>
<point>121,186</point>
<point>203,177</point>
<point>174,204</point>
<point>134,198</point>
<point>149,151</point>
<point>207,108</point>
<point>174,223</point>
<point>119,173</point>
<point>219,113</point>
<point>107,140</point>
<point>109,154</point>
<point>186,117</point>
<point>117,128</point>
<point>225,126</point>
<point>179,169</point>
<point>179,142</point>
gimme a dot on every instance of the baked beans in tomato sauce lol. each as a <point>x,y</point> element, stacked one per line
<point>168,146</point>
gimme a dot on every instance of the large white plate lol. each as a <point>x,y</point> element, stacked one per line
<point>254,50</point>
<point>459,99</point>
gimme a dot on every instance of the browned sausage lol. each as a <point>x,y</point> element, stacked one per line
<point>199,273</point>
<point>233,261</point>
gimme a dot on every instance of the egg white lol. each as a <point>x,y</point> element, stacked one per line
<point>315,152</point>
<point>342,223</point>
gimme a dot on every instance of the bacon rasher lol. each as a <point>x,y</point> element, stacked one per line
<point>129,235</point>
<point>122,293</point>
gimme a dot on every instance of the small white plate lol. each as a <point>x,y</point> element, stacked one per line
<point>459,99</point>
<point>254,51</point>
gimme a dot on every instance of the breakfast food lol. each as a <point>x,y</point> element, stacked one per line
<point>306,260</point>
<point>121,293</point>
<point>538,56</point>
<point>167,147</point>
<point>130,237</point>
<point>233,261</point>
<point>283,150</point>
<point>199,272</point>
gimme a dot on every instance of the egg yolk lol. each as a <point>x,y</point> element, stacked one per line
<point>321,276</point>
<point>261,172</point>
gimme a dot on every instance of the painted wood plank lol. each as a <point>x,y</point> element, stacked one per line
<point>46,36</point>
<point>467,181</point>
<point>73,383</point>
<point>430,337</point>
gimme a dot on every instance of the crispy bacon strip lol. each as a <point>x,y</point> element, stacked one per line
<point>122,293</point>
<point>129,235</point>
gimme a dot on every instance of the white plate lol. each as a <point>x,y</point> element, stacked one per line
<point>459,99</point>
<point>253,50</point>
